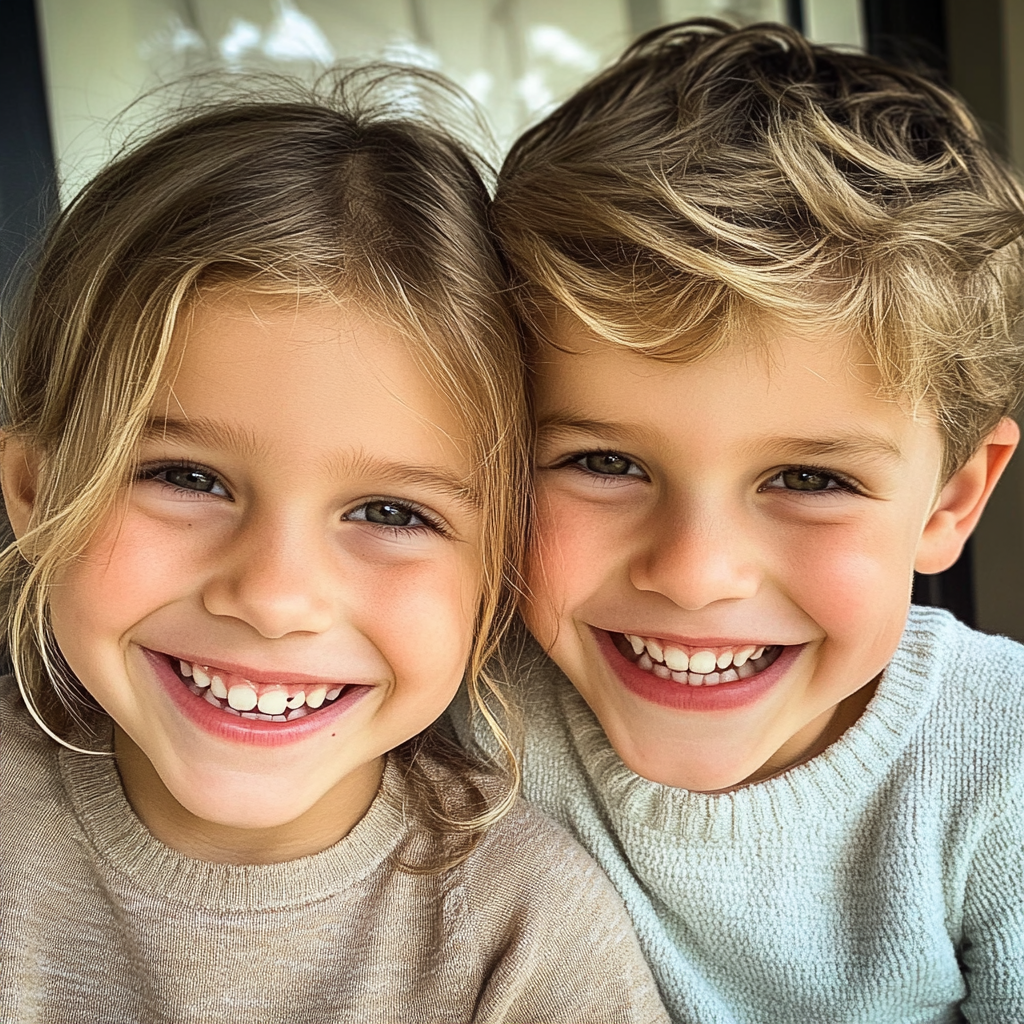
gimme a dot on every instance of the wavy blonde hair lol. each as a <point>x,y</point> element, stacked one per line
<point>715,178</point>
<point>342,191</point>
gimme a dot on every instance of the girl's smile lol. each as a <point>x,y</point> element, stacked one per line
<point>289,587</point>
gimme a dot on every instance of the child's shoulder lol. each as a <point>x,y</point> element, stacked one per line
<point>975,719</point>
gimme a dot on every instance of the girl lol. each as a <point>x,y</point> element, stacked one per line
<point>263,457</point>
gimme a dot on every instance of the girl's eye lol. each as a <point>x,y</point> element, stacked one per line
<point>187,478</point>
<point>384,512</point>
<point>607,464</point>
<point>806,478</point>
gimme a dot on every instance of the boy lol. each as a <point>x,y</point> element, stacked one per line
<point>773,295</point>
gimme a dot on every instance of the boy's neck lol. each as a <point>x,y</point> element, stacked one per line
<point>816,737</point>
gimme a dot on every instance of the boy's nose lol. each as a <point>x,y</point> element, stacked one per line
<point>274,578</point>
<point>695,558</point>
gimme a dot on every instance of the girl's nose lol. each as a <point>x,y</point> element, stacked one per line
<point>274,577</point>
<point>695,558</point>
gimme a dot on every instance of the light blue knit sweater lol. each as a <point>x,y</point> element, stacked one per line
<point>883,881</point>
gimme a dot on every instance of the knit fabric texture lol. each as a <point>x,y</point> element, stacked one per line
<point>882,881</point>
<point>102,923</point>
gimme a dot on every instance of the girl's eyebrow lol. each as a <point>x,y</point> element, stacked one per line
<point>215,434</point>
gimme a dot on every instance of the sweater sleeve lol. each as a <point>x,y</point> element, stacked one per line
<point>993,936</point>
<point>568,953</point>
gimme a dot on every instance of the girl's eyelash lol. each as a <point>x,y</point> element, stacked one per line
<point>430,520</point>
<point>154,470</point>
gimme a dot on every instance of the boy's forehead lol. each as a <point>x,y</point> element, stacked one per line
<point>817,392</point>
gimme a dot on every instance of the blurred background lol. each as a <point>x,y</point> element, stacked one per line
<point>69,68</point>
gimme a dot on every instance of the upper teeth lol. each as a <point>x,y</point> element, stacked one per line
<point>699,661</point>
<point>273,700</point>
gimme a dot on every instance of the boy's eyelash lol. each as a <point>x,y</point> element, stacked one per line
<point>574,459</point>
<point>844,482</point>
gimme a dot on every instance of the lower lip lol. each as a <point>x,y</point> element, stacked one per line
<point>246,730</point>
<point>682,696</point>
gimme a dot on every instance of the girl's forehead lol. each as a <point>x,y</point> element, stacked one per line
<point>313,376</point>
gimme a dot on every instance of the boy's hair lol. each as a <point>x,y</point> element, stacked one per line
<point>715,179</point>
<point>337,193</point>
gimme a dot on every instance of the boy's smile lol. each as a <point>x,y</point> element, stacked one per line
<point>724,548</point>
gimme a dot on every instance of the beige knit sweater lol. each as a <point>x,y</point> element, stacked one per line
<point>100,922</point>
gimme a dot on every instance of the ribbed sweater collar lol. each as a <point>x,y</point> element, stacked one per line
<point>127,848</point>
<point>835,780</point>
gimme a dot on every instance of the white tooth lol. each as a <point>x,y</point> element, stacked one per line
<point>654,650</point>
<point>199,676</point>
<point>724,659</point>
<point>218,687</point>
<point>296,713</point>
<point>702,662</point>
<point>334,694</point>
<point>296,700</point>
<point>211,699</point>
<point>757,654</point>
<point>645,662</point>
<point>680,677</point>
<point>712,678</point>
<point>241,697</point>
<point>316,696</point>
<point>661,671</point>
<point>279,718</point>
<point>695,678</point>
<point>730,675</point>
<point>186,669</point>
<point>232,711</point>
<point>746,670</point>
<point>272,702</point>
<point>249,714</point>
<point>742,656</point>
<point>676,659</point>
<point>636,643</point>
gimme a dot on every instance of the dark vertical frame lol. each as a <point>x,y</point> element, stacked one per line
<point>28,192</point>
<point>914,33</point>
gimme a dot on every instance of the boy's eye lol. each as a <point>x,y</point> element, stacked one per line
<point>805,478</point>
<point>608,464</point>
<point>384,512</point>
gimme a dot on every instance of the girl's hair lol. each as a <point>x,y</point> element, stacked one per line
<point>345,190</point>
<point>715,178</point>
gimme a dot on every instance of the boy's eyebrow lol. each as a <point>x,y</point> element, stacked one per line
<point>847,445</point>
<point>223,435</point>
<point>566,422</point>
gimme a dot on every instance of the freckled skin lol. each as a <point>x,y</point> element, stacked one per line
<point>702,531</point>
<point>277,567</point>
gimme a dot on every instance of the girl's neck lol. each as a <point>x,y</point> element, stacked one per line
<point>321,826</point>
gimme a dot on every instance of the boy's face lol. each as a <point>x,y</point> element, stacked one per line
<point>764,497</point>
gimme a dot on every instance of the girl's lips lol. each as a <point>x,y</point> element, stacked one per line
<point>249,731</point>
<point>683,697</point>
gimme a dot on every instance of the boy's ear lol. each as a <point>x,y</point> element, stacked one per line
<point>963,499</point>
<point>19,468</point>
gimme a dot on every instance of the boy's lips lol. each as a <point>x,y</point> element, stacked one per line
<point>233,706</point>
<point>695,676</point>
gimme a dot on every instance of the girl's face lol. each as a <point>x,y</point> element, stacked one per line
<point>290,588</point>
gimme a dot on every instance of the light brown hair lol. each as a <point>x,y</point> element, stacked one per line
<point>343,191</point>
<point>716,178</point>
